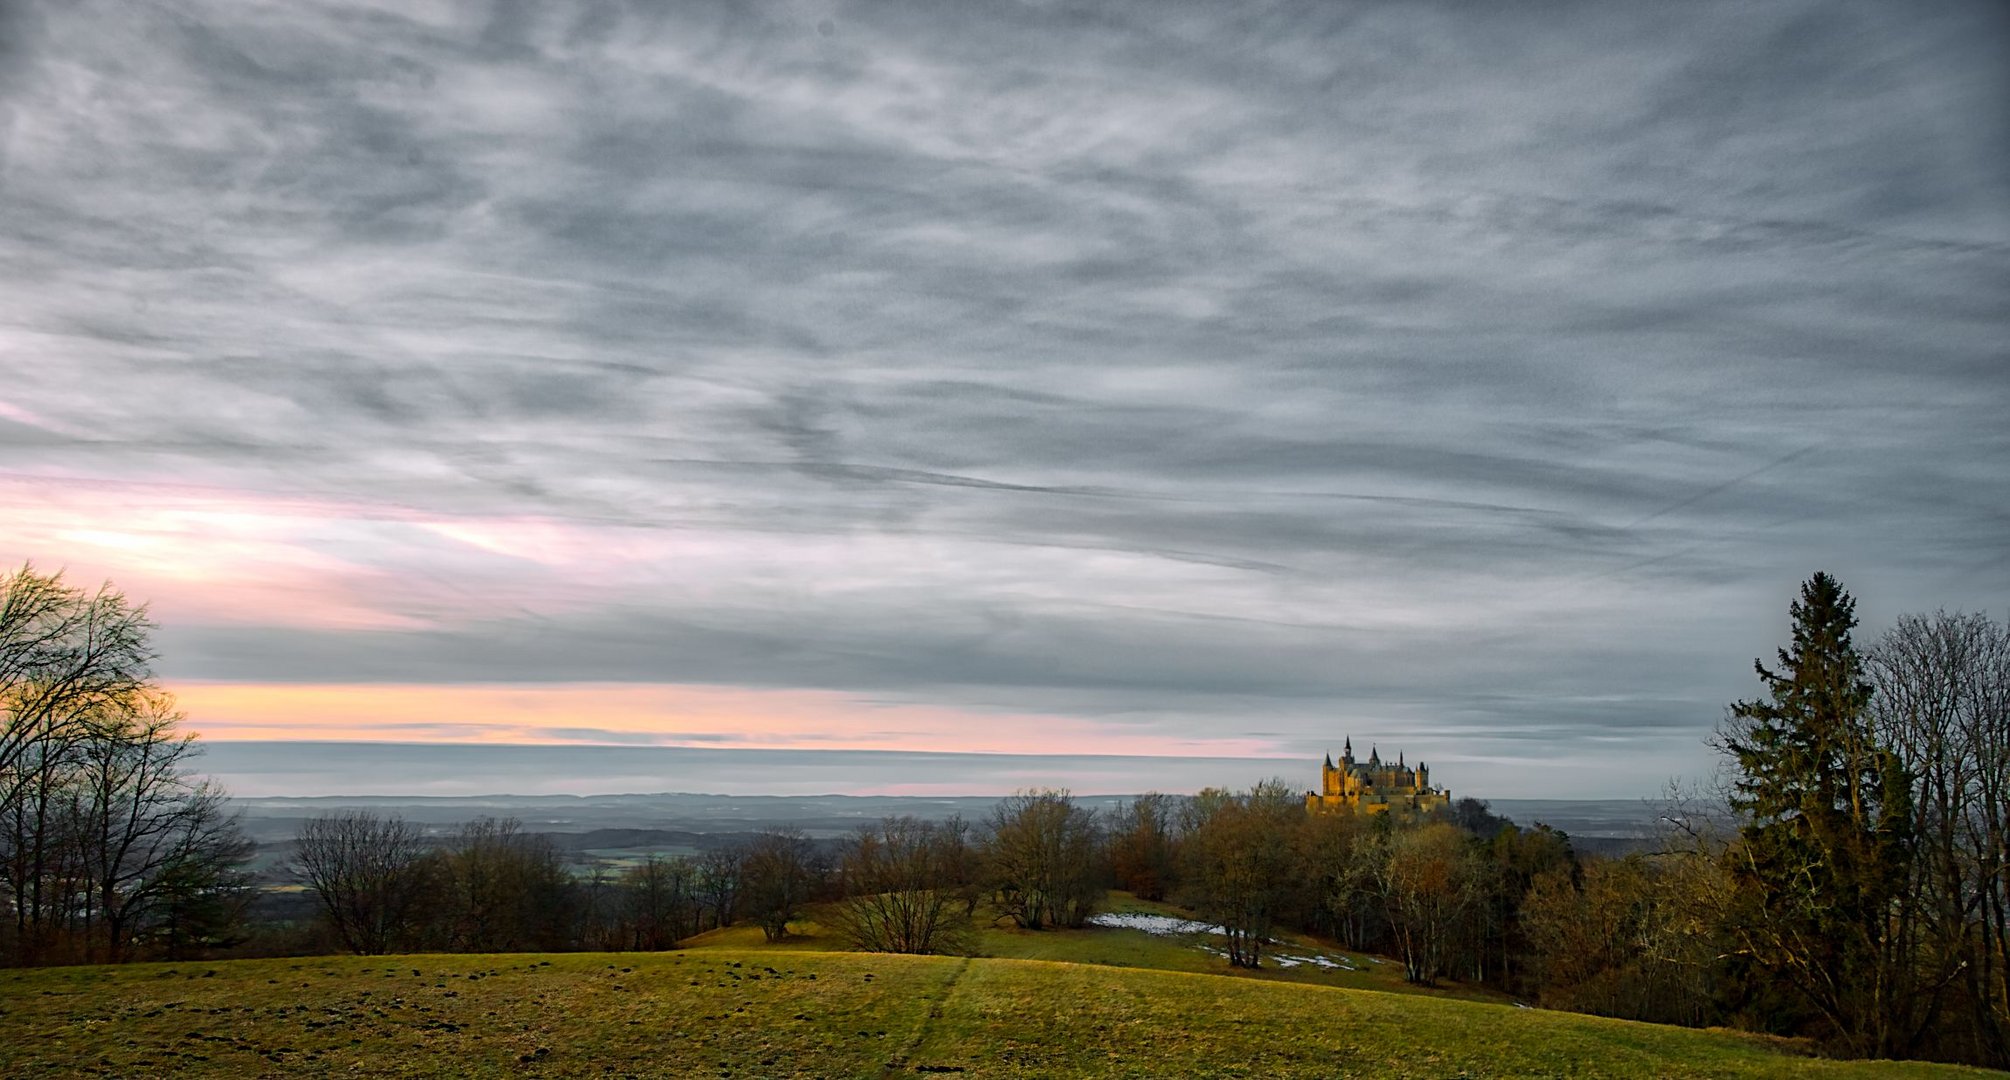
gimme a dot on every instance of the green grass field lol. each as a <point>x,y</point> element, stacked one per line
<point>1128,948</point>
<point>725,1011</point>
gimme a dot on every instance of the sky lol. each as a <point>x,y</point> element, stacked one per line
<point>1149,381</point>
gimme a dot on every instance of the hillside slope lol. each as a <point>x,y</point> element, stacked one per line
<point>1289,957</point>
<point>723,1012</point>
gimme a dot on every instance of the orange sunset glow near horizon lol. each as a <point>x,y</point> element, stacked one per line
<point>654,715</point>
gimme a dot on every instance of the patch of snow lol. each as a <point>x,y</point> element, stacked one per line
<point>1326,962</point>
<point>1169,926</point>
<point>1161,925</point>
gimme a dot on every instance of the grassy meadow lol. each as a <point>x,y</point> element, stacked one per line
<point>729,1011</point>
<point>1130,948</point>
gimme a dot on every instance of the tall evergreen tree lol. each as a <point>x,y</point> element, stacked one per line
<point>1825,834</point>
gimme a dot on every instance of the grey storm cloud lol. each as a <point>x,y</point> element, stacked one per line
<point>1496,369</point>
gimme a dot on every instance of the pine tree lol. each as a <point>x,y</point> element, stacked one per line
<point>1825,836</point>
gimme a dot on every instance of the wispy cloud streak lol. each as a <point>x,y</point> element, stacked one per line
<point>1429,369</point>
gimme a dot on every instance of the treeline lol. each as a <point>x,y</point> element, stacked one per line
<point>110,847</point>
<point>379,884</point>
<point>1442,892</point>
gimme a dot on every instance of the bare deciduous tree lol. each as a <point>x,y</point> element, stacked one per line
<point>662,902</point>
<point>370,875</point>
<point>1623,941</point>
<point>1144,846</point>
<point>66,655</point>
<point>720,873</point>
<point>1339,854</point>
<point>1044,859</point>
<point>149,832</point>
<point>1942,701</point>
<point>902,880</point>
<point>1241,865</point>
<point>502,888</point>
<point>776,879</point>
<point>1427,879</point>
<point>104,833</point>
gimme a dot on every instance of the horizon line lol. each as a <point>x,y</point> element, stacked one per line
<point>819,795</point>
<point>407,744</point>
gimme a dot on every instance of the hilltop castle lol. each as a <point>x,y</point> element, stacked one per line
<point>1373,786</point>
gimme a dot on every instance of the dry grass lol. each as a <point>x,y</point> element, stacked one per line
<point>773,1012</point>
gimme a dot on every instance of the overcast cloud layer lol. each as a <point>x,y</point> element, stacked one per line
<point>1479,378</point>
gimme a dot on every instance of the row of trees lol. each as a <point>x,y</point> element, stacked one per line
<point>110,846</point>
<point>381,885</point>
<point>904,885</point>
<point>1442,892</point>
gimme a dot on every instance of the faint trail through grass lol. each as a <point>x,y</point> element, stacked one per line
<point>925,1023</point>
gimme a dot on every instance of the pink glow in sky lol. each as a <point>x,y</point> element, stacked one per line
<point>211,558</point>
